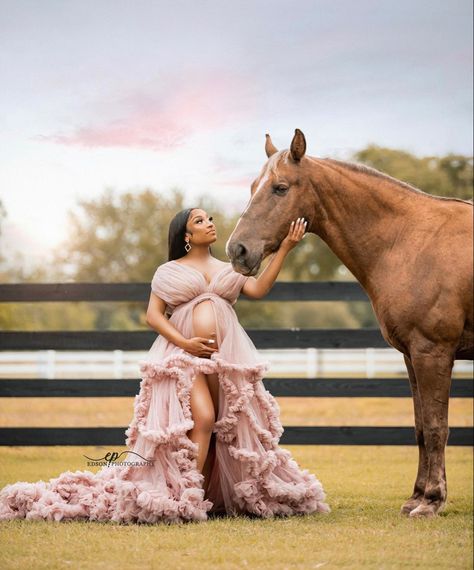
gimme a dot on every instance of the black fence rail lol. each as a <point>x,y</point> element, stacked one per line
<point>142,340</point>
<point>262,338</point>
<point>139,292</point>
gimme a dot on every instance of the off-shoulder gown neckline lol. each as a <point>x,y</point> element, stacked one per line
<point>208,283</point>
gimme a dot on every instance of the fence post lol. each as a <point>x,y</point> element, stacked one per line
<point>370,362</point>
<point>311,362</point>
<point>45,364</point>
<point>50,364</point>
<point>118,364</point>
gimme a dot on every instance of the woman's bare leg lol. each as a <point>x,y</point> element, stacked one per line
<point>206,397</point>
<point>202,410</point>
<point>213,383</point>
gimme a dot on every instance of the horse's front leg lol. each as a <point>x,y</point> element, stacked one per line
<point>433,370</point>
<point>423,464</point>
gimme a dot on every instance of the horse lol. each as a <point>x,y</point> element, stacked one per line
<point>412,253</point>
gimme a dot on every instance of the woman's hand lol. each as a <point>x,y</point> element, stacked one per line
<point>295,234</point>
<point>256,288</point>
<point>199,346</point>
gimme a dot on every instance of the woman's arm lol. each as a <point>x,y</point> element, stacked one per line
<point>256,288</point>
<point>156,319</point>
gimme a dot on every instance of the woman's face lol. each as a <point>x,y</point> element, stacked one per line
<point>201,226</point>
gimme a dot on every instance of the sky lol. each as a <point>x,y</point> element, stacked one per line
<point>147,93</point>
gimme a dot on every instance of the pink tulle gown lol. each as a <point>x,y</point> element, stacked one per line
<point>251,474</point>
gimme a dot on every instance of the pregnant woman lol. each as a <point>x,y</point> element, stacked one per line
<point>203,418</point>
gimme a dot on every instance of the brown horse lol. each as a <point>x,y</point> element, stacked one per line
<point>410,251</point>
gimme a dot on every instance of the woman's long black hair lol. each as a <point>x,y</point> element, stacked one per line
<point>176,233</point>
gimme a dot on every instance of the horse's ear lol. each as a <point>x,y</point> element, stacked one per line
<point>270,148</point>
<point>298,146</point>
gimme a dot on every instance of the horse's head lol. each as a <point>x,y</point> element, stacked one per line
<point>279,195</point>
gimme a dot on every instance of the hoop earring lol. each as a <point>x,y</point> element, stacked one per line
<point>187,247</point>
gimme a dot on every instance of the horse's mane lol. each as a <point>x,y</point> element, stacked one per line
<point>358,167</point>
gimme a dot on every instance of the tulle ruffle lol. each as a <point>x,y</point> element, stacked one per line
<point>260,477</point>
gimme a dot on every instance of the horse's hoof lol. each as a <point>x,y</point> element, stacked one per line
<point>425,511</point>
<point>410,505</point>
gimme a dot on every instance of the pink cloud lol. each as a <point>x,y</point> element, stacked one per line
<point>162,118</point>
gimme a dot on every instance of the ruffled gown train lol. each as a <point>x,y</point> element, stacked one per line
<point>250,474</point>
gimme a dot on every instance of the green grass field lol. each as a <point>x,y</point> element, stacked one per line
<point>365,488</point>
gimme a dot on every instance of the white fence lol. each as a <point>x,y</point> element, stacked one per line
<point>311,363</point>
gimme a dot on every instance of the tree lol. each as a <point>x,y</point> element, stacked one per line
<point>450,175</point>
<point>124,237</point>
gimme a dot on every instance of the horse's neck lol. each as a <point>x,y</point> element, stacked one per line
<point>359,216</point>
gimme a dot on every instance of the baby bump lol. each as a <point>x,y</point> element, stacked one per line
<point>204,321</point>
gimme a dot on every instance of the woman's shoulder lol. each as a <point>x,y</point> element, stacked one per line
<point>163,269</point>
<point>166,264</point>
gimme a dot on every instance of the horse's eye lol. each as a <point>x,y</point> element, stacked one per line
<point>280,189</point>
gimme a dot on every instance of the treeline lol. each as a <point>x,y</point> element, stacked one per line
<point>124,237</point>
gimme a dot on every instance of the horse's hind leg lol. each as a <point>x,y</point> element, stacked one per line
<point>423,465</point>
<point>433,370</point>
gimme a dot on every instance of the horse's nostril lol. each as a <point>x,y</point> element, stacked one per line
<point>241,249</point>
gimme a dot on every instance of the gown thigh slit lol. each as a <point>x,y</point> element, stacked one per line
<point>250,473</point>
